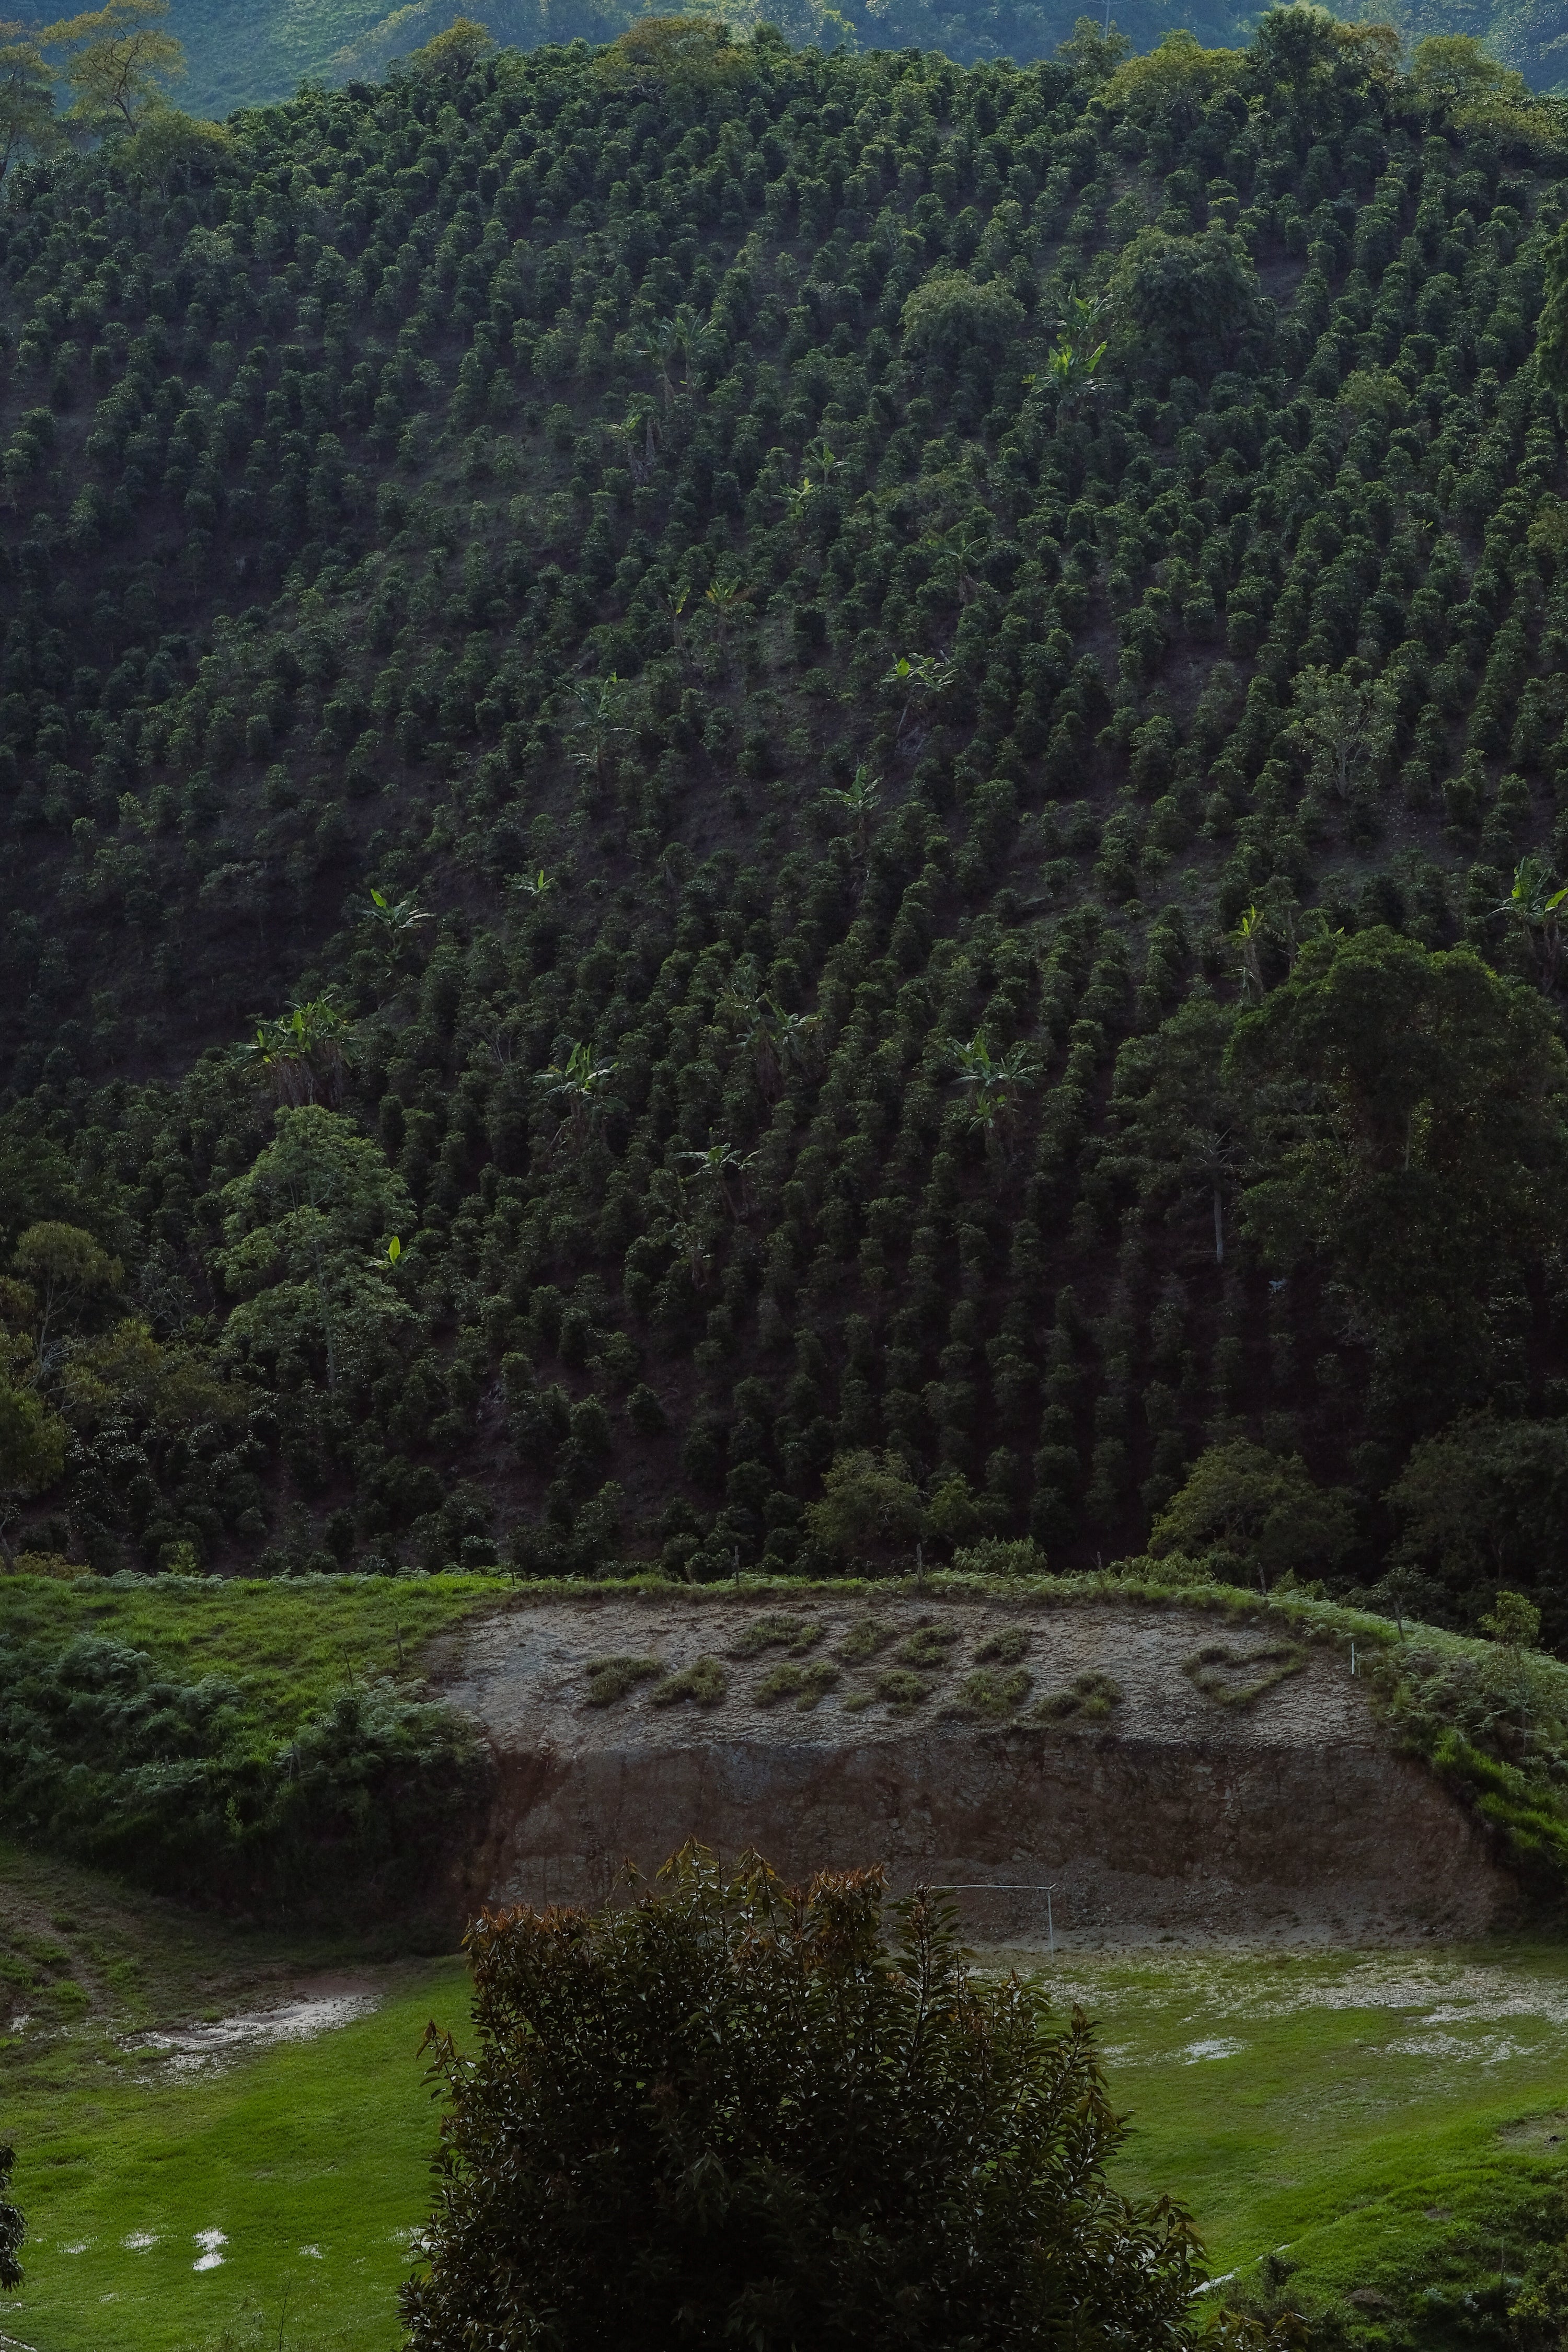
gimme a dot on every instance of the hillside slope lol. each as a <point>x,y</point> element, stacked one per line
<point>620,507</point>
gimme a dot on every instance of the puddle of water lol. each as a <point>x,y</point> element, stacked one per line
<point>211,2243</point>
<point>1197,2051</point>
<point>193,2048</point>
<point>1491,2049</point>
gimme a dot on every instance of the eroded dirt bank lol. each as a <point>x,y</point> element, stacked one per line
<point>1162,1771</point>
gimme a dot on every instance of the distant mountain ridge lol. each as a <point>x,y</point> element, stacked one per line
<point>254,54</point>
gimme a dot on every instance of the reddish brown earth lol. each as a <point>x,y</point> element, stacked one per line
<point>1187,1811</point>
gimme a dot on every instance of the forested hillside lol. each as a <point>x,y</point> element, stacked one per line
<point>664,840</point>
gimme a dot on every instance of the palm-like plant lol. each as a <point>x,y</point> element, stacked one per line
<point>661,345</point>
<point>923,675</point>
<point>996,1083</point>
<point>716,1166</point>
<point>302,1055</point>
<point>1536,905</point>
<point>394,922</point>
<point>597,725</point>
<point>724,597</point>
<point>581,1084</point>
<point>1249,935</point>
<point>858,800</point>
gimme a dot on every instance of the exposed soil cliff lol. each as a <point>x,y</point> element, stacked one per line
<point>1160,1771</point>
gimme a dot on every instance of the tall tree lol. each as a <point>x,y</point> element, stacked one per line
<point>1412,1125</point>
<point>121,66</point>
<point>28,124</point>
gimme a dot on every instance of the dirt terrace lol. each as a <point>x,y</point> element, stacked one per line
<point>1163,1772</point>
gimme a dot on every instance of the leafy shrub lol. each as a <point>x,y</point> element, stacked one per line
<point>1234,1677</point>
<point>901,1690</point>
<point>103,1758</point>
<point>927,1646</point>
<point>1090,1698</point>
<point>859,2114</point>
<point>867,1638</point>
<point>985,1696</point>
<point>998,1556</point>
<point>805,1685</point>
<point>777,1629</point>
<point>1002,1649</point>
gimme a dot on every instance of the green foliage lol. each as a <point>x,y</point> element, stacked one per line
<point>704,1682</point>
<point>1089,1698</point>
<point>13,2226</point>
<point>1254,1510</point>
<point>1478,1505</point>
<point>949,315</point>
<point>889,2149</point>
<point>867,1638</point>
<point>101,1758</point>
<point>775,1629</point>
<point>1431,1154</point>
<point>1234,1677</point>
<point>985,1696</point>
<point>32,1445</point>
<point>1002,1649</point>
<point>610,1679</point>
<point>805,1685</point>
<point>870,1506</point>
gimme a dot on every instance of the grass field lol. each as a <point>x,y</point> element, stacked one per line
<point>310,2157</point>
<point>1391,2122</point>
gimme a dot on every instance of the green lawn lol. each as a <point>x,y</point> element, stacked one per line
<point>1389,2120</point>
<point>312,2159</point>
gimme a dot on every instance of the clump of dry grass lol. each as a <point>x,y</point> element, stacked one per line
<point>1089,1698</point>
<point>611,1679</point>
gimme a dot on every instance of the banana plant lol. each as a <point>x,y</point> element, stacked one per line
<point>716,1166</point>
<point>394,922</point>
<point>581,1084</point>
<point>859,800</point>
<point>596,727</point>
<point>918,674</point>
<point>996,1083</point>
<point>724,597</point>
<point>1536,906</point>
<point>1249,935</point>
<point>660,345</point>
<point>302,1055</point>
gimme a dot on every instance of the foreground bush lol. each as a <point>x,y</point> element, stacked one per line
<point>731,2114</point>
